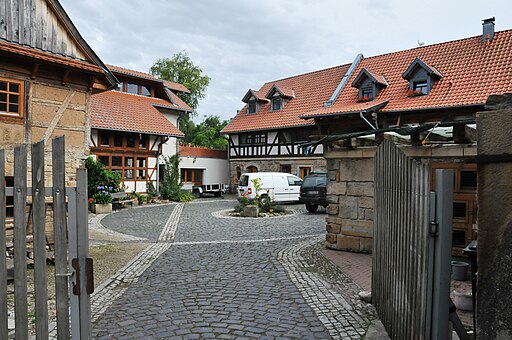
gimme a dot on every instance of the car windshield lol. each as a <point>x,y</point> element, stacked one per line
<point>314,181</point>
<point>244,181</point>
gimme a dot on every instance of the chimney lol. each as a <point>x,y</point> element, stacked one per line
<point>488,30</point>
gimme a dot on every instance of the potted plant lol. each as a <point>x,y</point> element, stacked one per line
<point>101,201</point>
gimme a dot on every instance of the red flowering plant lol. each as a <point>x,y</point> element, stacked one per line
<point>415,93</point>
<point>364,99</point>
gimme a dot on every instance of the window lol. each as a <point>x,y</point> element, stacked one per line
<point>252,106</point>
<point>11,97</point>
<point>130,140</point>
<point>256,139</point>
<point>468,180</point>
<point>145,91</point>
<point>105,160</point>
<point>420,87</point>
<point>194,176</point>
<point>104,139</point>
<point>304,171</point>
<point>286,168</point>
<point>366,93</point>
<point>118,139</point>
<point>132,88</point>
<point>294,181</point>
<point>276,104</point>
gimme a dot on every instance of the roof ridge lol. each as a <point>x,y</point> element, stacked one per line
<point>307,73</point>
<point>434,44</point>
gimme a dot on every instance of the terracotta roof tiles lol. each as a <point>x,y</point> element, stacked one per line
<point>311,91</point>
<point>114,110</point>
<point>471,69</point>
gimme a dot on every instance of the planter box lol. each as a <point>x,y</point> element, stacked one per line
<point>101,208</point>
<point>251,211</point>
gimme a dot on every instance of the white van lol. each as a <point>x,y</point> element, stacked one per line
<point>279,186</point>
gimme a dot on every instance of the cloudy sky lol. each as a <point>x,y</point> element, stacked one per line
<point>241,44</point>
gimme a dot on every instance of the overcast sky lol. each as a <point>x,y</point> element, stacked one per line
<point>242,44</point>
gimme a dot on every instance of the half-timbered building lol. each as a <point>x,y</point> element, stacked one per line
<point>135,126</point>
<point>267,133</point>
<point>425,99</point>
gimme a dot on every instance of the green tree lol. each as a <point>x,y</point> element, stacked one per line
<point>207,133</point>
<point>180,69</point>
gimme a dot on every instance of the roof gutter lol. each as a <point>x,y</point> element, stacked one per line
<point>344,80</point>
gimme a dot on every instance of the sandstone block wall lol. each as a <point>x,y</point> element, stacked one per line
<point>350,212</point>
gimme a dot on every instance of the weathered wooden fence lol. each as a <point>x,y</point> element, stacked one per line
<point>400,243</point>
<point>71,241</point>
<point>412,247</point>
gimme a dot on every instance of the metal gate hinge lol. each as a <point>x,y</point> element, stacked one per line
<point>433,227</point>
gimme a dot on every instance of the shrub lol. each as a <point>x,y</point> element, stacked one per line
<point>171,185</point>
<point>100,179</point>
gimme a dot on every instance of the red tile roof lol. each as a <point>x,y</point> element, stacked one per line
<point>50,57</point>
<point>133,73</point>
<point>471,71</point>
<point>311,91</point>
<point>114,110</point>
<point>200,151</point>
<point>176,87</point>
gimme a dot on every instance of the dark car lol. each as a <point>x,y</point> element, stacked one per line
<point>313,191</point>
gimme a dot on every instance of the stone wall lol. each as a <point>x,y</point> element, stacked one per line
<point>350,192</point>
<point>494,300</point>
<point>349,223</point>
<point>273,165</point>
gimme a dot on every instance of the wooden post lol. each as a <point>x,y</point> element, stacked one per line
<point>20,242</point>
<point>39,217</point>
<point>61,244</point>
<point>3,266</point>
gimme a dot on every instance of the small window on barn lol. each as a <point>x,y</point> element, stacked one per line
<point>366,93</point>
<point>277,104</point>
<point>420,87</point>
<point>132,88</point>
<point>145,91</point>
<point>11,97</point>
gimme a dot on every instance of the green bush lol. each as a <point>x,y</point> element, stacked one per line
<point>100,180</point>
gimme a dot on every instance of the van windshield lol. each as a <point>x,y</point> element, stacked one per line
<point>244,181</point>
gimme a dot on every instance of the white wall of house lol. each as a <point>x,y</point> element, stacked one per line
<point>215,170</point>
<point>170,147</point>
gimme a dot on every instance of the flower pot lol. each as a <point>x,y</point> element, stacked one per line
<point>251,211</point>
<point>463,300</point>
<point>459,270</point>
<point>101,208</point>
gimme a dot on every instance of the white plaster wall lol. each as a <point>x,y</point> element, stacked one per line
<point>215,170</point>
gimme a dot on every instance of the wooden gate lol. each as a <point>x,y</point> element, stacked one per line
<point>73,278</point>
<point>400,242</point>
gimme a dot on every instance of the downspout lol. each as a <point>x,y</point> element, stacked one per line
<point>366,120</point>
<point>344,80</point>
<point>158,153</point>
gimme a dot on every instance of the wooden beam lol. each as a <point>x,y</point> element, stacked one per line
<point>35,69</point>
<point>65,76</point>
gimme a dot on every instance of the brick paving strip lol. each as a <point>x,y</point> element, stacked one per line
<point>172,224</point>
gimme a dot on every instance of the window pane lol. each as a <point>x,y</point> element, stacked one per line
<point>145,91</point>
<point>141,162</point>
<point>14,87</point>
<point>118,139</point>
<point>128,162</point>
<point>143,142</point>
<point>367,92</point>
<point>252,106</point>
<point>276,104</point>
<point>128,174</point>
<point>459,210</point>
<point>105,139</point>
<point>132,88</point>
<point>119,87</point>
<point>13,108</point>
<point>421,86</point>
<point>3,86</point>
<point>117,161</point>
<point>141,174</point>
<point>467,179</point>
<point>3,107</point>
<point>104,160</point>
<point>130,141</point>
<point>3,97</point>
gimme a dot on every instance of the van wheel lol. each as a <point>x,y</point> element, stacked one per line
<point>263,199</point>
<point>311,207</point>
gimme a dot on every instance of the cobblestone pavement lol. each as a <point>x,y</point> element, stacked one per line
<point>229,278</point>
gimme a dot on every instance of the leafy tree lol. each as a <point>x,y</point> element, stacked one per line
<point>207,133</point>
<point>180,69</point>
<point>98,176</point>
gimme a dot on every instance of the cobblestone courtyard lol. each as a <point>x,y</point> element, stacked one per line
<point>208,276</point>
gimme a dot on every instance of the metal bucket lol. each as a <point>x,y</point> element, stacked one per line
<point>459,270</point>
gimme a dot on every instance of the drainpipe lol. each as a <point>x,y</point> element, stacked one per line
<point>158,154</point>
<point>366,120</point>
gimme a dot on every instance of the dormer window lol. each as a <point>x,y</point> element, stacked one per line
<point>369,85</point>
<point>276,103</point>
<point>421,77</point>
<point>252,106</point>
